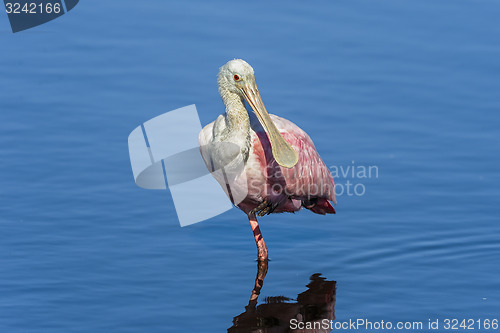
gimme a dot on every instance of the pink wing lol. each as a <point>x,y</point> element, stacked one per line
<point>309,180</point>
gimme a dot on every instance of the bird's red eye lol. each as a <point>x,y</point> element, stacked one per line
<point>236,77</point>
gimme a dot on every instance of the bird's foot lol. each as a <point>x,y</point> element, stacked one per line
<point>265,208</point>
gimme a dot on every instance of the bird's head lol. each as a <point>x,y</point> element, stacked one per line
<point>234,75</point>
<point>237,77</point>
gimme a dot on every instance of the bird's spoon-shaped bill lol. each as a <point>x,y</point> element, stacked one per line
<point>283,153</point>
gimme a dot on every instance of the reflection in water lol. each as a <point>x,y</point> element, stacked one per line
<point>309,313</point>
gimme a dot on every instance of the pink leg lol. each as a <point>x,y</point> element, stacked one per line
<point>259,240</point>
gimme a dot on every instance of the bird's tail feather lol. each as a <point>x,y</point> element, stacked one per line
<point>320,206</point>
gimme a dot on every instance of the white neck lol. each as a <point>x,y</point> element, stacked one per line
<point>236,114</point>
<point>237,127</point>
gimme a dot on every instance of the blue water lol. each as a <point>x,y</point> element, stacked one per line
<point>410,87</point>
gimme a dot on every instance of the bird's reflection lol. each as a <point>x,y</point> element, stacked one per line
<point>309,313</point>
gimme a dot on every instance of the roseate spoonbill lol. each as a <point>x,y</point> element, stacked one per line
<point>281,169</point>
